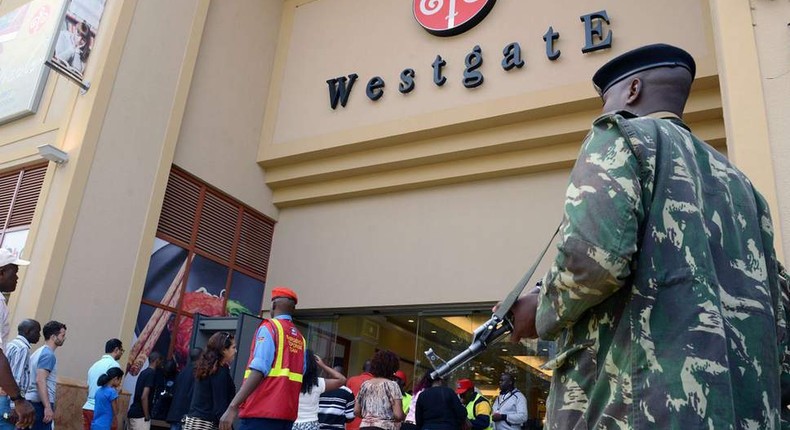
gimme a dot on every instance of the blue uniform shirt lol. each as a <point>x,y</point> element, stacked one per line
<point>263,353</point>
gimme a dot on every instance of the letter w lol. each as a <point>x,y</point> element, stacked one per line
<point>339,91</point>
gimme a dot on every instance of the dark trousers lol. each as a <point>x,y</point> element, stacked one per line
<point>264,424</point>
<point>39,423</point>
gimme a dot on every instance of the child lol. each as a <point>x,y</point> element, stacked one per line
<point>106,405</point>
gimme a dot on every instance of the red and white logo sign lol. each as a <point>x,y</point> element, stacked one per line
<point>39,19</point>
<point>450,17</point>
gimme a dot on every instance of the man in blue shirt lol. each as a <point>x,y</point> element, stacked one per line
<point>43,370</point>
<point>113,350</point>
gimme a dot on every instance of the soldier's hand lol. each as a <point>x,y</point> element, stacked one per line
<point>25,412</point>
<point>524,311</point>
<point>226,421</point>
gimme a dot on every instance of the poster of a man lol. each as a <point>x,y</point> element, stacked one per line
<point>77,36</point>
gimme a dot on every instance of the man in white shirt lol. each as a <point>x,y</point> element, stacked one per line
<point>510,407</point>
<point>113,350</point>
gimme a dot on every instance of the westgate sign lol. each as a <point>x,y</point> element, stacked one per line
<point>593,23</point>
<point>451,17</point>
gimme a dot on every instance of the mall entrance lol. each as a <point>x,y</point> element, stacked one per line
<point>350,339</point>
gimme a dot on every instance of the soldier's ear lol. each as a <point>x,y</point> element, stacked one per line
<point>634,91</point>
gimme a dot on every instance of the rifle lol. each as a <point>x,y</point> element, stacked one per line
<point>498,326</point>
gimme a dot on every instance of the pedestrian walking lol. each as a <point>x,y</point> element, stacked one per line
<point>105,400</point>
<point>113,350</point>
<point>379,401</point>
<point>439,408</point>
<point>312,388</point>
<point>214,387</point>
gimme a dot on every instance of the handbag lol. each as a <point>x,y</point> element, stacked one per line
<point>193,423</point>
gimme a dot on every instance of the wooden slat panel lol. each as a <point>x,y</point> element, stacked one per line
<point>7,186</point>
<point>218,220</point>
<point>217,225</point>
<point>255,244</point>
<point>27,196</point>
<point>179,207</point>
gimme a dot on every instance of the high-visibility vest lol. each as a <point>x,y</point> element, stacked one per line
<point>277,396</point>
<point>470,410</point>
<point>406,402</point>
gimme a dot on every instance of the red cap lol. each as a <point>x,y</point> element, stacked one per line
<point>400,375</point>
<point>463,386</point>
<point>278,292</point>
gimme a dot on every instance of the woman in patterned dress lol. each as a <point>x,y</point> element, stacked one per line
<point>379,400</point>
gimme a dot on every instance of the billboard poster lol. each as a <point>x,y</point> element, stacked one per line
<point>76,38</point>
<point>180,284</point>
<point>26,39</point>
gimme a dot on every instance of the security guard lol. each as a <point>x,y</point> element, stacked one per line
<point>400,378</point>
<point>269,396</point>
<point>478,408</point>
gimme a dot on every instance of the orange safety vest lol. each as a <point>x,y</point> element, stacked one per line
<point>277,396</point>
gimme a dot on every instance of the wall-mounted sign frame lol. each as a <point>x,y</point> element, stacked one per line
<point>76,39</point>
<point>26,41</point>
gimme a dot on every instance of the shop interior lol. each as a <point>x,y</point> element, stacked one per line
<point>349,340</point>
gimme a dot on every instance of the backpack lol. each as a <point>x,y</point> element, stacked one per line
<point>162,400</point>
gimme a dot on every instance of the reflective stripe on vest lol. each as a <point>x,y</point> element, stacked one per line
<point>470,410</point>
<point>277,368</point>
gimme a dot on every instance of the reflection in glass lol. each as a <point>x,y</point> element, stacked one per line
<point>320,336</point>
<point>183,334</point>
<point>153,332</point>
<point>165,272</point>
<point>245,295</point>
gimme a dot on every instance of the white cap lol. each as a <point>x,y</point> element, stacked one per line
<point>6,258</point>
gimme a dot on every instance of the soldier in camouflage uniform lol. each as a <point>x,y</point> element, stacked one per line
<point>665,296</point>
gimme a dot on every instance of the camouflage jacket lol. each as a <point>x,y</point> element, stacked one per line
<point>664,296</point>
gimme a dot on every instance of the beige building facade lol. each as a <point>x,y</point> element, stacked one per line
<point>394,218</point>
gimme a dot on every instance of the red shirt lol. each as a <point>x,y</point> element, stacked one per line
<point>355,383</point>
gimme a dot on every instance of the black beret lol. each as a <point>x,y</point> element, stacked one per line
<point>641,59</point>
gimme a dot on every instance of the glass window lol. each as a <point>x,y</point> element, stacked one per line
<point>205,289</point>
<point>184,278</point>
<point>183,334</point>
<point>246,294</point>
<point>153,332</point>
<point>166,270</point>
<point>448,334</point>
